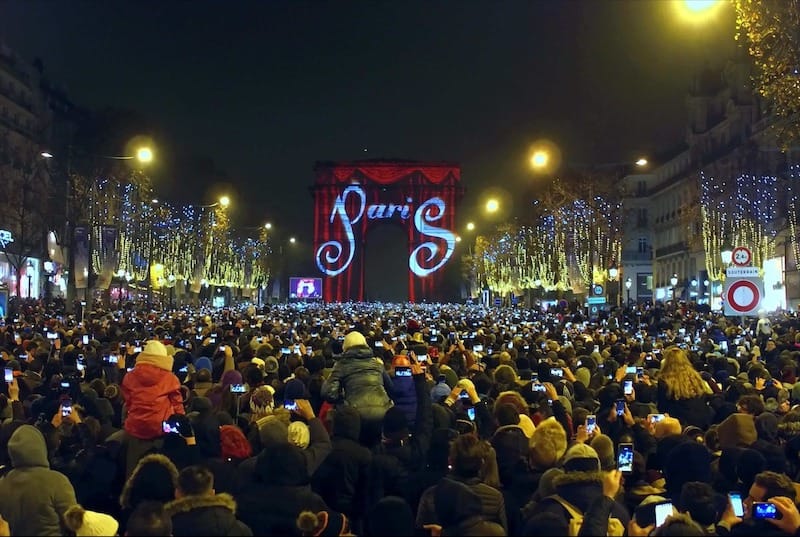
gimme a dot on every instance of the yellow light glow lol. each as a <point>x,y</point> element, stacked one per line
<point>699,5</point>
<point>268,225</point>
<point>292,240</point>
<point>544,156</point>
<point>458,238</point>
<point>539,159</point>
<point>697,11</point>
<point>470,226</point>
<point>492,205</point>
<point>224,201</point>
<point>144,155</point>
<point>641,162</point>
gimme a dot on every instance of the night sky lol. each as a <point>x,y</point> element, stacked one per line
<point>267,88</point>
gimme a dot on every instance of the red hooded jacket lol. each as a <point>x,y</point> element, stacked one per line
<point>152,394</point>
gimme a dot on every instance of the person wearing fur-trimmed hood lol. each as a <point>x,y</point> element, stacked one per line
<point>198,510</point>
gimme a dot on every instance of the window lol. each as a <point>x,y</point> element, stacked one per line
<point>642,245</point>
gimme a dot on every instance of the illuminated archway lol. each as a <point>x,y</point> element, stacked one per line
<point>349,197</point>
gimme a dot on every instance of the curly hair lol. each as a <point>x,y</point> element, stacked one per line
<point>681,379</point>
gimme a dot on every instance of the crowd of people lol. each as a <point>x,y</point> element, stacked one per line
<point>399,419</point>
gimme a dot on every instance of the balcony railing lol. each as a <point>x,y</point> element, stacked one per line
<point>636,255</point>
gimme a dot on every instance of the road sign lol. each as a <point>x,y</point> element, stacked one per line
<point>596,300</point>
<point>594,310</point>
<point>741,256</point>
<point>743,296</point>
<point>597,289</point>
<point>741,272</point>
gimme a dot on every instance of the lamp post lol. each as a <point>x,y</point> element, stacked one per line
<point>29,274</point>
<point>171,279</point>
<point>613,273</point>
<point>673,281</point>
<point>628,284</point>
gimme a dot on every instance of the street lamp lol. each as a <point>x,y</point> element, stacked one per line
<point>292,240</point>
<point>224,201</point>
<point>673,281</point>
<point>470,226</point>
<point>29,274</point>
<point>641,162</point>
<point>268,225</point>
<point>539,159</point>
<point>628,284</point>
<point>492,205</point>
<point>613,273</point>
<point>144,155</point>
<point>726,253</point>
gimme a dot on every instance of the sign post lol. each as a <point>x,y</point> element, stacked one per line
<point>744,288</point>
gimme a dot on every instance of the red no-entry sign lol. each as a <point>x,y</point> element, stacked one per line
<point>743,296</point>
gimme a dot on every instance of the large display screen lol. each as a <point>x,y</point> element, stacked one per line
<point>305,288</point>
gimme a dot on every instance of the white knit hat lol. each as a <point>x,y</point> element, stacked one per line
<point>354,339</point>
<point>89,523</point>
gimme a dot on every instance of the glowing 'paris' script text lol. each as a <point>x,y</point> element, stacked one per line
<point>332,253</point>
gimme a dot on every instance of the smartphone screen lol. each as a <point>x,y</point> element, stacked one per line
<point>66,408</point>
<point>625,458</point>
<point>591,422</point>
<point>628,387</point>
<point>402,371</point>
<point>736,502</point>
<point>471,413</point>
<point>764,510</point>
<point>477,348</point>
<point>237,388</point>
<point>663,510</point>
<point>290,405</point>
<point>9,373</point>
<point>620,407</point>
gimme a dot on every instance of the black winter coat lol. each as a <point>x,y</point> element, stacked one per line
<point>361,382</point>
<point>694,411</point>
<point>205,515</point>
<point>273,510</point>
<point>343,476</point>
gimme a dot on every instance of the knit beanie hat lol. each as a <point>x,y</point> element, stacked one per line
<point>547,485</point>
<point>203,363</point>
<point>354,339</point>
<point>294,389</point>
<point>234,444</point>
<point>581,458</point>
<point>548,443</point>
<point>262,401</point>
<point>604,447</point>
<point>299,435</point>
<point>89,523</point>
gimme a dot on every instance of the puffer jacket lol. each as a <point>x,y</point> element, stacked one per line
<point>205,515</point>
<point>404,395</point>
<point>360,381</point>
<point>152,394</point>
<point>33,498</point>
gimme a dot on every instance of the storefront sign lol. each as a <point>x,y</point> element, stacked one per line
<point>5,238</point>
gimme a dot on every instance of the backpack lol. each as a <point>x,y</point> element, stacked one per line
<point>615,526</point>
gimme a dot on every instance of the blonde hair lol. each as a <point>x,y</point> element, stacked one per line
<point>680,377</point>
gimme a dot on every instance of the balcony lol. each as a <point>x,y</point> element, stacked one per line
<point>636,255</point>
<point>672,249</point>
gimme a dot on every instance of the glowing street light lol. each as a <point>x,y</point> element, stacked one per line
<point>641,162</point>
<point>46,154</point>
<point>292,240</point>
<point>458,238</point>
<point>268,225</point>
<point>540,158</point>
<point>224,201</point>
<point>698,6</point>
<point>492,205</point>
<point>470,226</point>
<point>698,11</point>
<point>144,155</point>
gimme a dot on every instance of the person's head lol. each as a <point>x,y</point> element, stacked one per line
<point>750,404</point>
<point>697,499</point>
<point>390,516</point>
<point>769,485</point>
<point>467,455</point>
<point>149,519</point>
<point>195,481</point>
<point>154,478</point>
<point>679,525</point>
